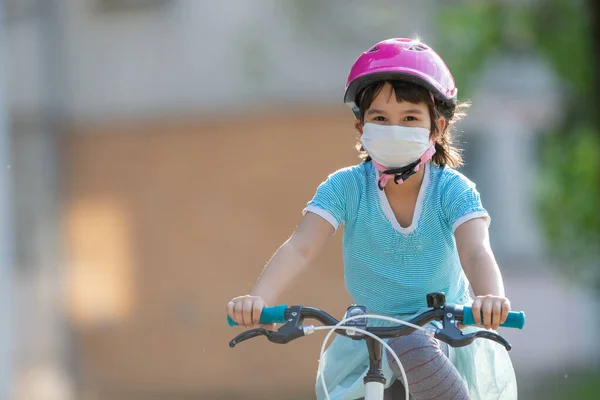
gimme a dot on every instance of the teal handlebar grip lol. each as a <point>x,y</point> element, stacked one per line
<point>269,315</point>
<point>514,320</point>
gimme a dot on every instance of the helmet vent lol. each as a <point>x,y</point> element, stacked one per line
<point>373,49</point>
<point>417,47</point>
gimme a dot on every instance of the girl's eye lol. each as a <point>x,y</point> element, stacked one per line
<point>410,118</point>
<point>379,118</point>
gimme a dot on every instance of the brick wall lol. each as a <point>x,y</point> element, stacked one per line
<point>166,220</point>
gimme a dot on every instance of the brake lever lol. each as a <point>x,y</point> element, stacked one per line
<point>291,329</point>
<point>454,336</point>
<point>468,339</point>
<point>286,333</point>
<point>493,337</point>
<point>450,333</point>
<point>252,333</point>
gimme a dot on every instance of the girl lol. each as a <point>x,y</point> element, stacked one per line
<point>412,225</point>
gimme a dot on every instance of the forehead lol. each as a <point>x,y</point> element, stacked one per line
<point>387,99</point>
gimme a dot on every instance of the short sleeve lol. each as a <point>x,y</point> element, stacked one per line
<point>461,201</point>
<point>331,198</point>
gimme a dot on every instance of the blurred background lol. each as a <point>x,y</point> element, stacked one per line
<point>155,153</point>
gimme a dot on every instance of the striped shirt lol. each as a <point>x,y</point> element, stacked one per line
<point>389,268</point>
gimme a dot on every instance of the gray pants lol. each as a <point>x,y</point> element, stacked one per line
<point>428,369</point>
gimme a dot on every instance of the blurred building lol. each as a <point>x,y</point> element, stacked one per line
<point>163,149</point>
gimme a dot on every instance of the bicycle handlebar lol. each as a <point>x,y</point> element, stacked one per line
<point>448,314</point>
<point>277,315</point>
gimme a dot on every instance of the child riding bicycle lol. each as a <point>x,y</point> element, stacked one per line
<point>412,225</point>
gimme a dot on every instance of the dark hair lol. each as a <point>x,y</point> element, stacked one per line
<point>452,111</point>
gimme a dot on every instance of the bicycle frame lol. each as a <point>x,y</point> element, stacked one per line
<point>374,380</point>
<point>374,390</point>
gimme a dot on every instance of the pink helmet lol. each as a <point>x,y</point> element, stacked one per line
<point>400,59</point>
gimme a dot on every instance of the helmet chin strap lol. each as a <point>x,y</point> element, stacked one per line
<point>403,173</point>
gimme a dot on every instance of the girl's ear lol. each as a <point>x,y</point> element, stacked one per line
<point>441,124</point>
<point>358,127</point>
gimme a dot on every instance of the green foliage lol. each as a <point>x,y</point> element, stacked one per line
<point>578,384</point>
<point>569,198</point>
<point>467,33</point>
<point>561,30</point>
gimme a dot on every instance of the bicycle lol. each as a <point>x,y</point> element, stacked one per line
<point>354,326</point>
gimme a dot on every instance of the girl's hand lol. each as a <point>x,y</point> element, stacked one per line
<point>246,310</point>
<point>494,309</point>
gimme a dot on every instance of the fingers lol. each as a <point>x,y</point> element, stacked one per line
<point>238,311</point>
<point>476,309</point>
<point>257,307</point>
<point>505,310</point>
<point>496,313</point>
<point>486,310</point>
<point>230,308</point>
<point>493,309</point>
<point>246,310</point>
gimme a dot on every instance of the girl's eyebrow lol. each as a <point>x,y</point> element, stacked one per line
<point>374,111</point>
<point>413,111</point>
<point>409,111</point>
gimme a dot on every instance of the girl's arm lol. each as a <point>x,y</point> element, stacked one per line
<point>480,267</point>
<point>291,259</point>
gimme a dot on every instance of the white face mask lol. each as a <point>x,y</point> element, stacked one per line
<point>395,146</point>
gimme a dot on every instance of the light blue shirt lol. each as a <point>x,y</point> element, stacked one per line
<point>388,268</point>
